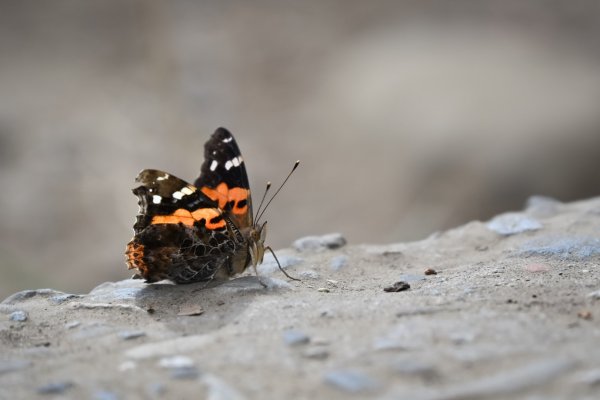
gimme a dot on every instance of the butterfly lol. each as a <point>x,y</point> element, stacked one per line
<point>190,233</point>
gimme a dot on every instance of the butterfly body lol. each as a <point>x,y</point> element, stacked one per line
<point>189,233</point>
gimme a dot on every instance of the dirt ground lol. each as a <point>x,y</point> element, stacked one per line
<point>513,312</point>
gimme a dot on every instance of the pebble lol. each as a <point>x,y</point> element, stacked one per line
<point>319,243</point>
<point>397,287</point>
<point>61,298</point>
<point>430,271</point>
<point>293,337</point>
<point>105,395</point>
<point>13,365</point>
<point>128,335</point>
<point>351,381</point>
<point>55,387</point>
<point>338,262</point>
<point>323,290</point>
<point>513,223</point>
<point>585,314</point>
<point>19,316</point>
<point>316,353</point>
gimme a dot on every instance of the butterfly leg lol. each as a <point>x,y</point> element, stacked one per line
<point>258,277</point>
<point>279,265</point>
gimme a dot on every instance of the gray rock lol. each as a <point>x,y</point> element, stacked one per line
<point>105,395</point>
<point>128,335</point>
<point>61,298</point>
<point>316,353</point>
<point>513,223</point>
<point>319,243</point>
<point>13,365</point>
<point>19,316</point>
<point>292,337</point>
<point>566,247</point>
<point>55,387</point>
<point>338,262</point>
<point>351,381</point>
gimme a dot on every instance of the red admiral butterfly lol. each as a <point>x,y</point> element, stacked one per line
<point>190,233</point>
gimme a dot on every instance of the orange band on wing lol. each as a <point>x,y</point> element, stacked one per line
<point>223,195</point>
<point>211,216</point>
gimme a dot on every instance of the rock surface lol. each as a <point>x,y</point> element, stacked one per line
<point>502,318</point>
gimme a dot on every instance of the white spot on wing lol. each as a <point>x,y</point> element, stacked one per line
<point>213,165</point>
<point>162,178</point>
<point>228,139</point>
<point>187,190</point>
<point>177,195</point>
<point>156,199</point>
<point>236,162</point>
<point>228,165</point>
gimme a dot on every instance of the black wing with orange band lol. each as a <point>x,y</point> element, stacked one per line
<point>223,178</point>
<point>166,199</point>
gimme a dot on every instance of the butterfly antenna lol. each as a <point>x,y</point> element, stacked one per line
<point>275,194</point>
<point>263,198</point>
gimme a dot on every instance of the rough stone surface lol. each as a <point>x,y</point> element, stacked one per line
<point>499,320</point>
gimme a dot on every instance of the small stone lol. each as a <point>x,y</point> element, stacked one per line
<point>19,316</point>
<point>351,381</point>
<point>513,223</point>
<point>319,243</point>
<point>190,310</point>
<point>338,262</point>
<point>536,267</point>
<point>316,353</point>
<point>292,337</point>
<point>430,271</point>
<point>72,324</point>
<point>323,290</point>
<point>585,314</point>
<point>55,387</point>
<point>105,395</point>
<point>61,298</point>
<point>128,335</point>
<point>397,287</point>
<point>184,373</point>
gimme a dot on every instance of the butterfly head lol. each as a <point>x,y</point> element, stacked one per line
<point>256,243</point>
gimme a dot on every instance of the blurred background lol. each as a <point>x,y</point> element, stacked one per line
<point>409,116</point>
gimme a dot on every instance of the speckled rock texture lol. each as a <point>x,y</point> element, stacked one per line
<point>513,312</point>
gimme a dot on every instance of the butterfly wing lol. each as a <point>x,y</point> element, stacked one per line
<point>180,233</point>
<point>223,178</point>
